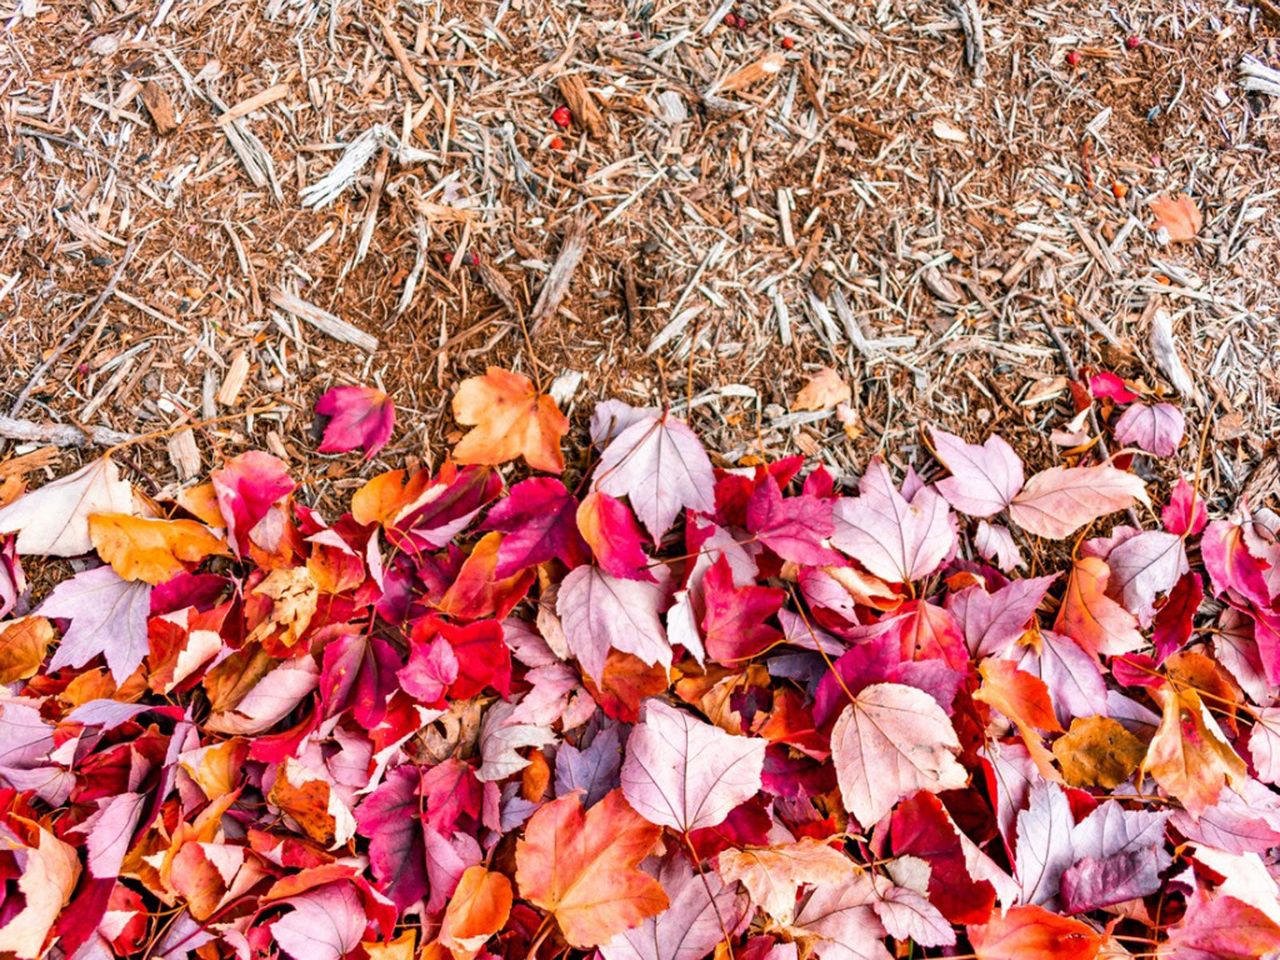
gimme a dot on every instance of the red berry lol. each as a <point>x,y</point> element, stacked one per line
<point>448,259</point>
<point>730,20</point>
<point>561,117</point>
<point>1073,58</point>
<point>743,22</point>
<point>556,143</point>
<point>637,35</point>
<point>475,259</point>
<point>1133,42</point>
<point>788,43</point>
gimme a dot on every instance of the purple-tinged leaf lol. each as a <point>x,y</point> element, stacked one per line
<point>539,518</point>
<point>1143,567</point>
<point>994,622</point>
<point>660,465</point>
<point>984,479</point>
<point>1155,428</point>
<point>792,527</point>
<point>592,769</point>
<point>894,539</point>
<point>108,617</point>
<point>600,613</point>
<point>684,773</point>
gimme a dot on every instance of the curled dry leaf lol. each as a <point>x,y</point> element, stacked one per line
<point>825,390</point>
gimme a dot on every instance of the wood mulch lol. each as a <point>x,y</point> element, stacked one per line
<point>213,211</point>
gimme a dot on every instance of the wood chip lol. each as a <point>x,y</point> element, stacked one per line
<point>557,282</point>
<point>582,105</point>
<point>233,380</point>
<point>160,107</point>
<point>323,320</point>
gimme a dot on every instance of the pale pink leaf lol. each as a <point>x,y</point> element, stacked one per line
<point>994,542</point>
<point>1045,848</point>
<point>993,622</point>
<point>1057,502</point>
<point>984,479</point>
<point>843,919</point>
<point>690,927</point>
<point>909,916</point>
<point>684,773</point>
<point>660,465</point>
<point>53,520</point>
<point>890,742</point>
<point>326,923</point>
<point>108,616</point>
<point>894,539</point>
<point>502,736</point>
<point>1143,567</point>
<point>1154,428</point>
<point>1264,744</point>
<point>600,613</point>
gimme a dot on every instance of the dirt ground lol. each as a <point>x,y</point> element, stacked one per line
<point>946,202</point>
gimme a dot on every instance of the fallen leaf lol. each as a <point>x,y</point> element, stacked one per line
<point>1189,756</point>
<point>1090,617</point>
<point>660,465</point>
<point>53,520</point>
<point>47,874</point>
<point>1098,752</point>
<point>1179,216</point>
<point>509,419</point>
<point>23,645</point>
<point>477,910</point>
<point>984,479</point>
<point>581,868</point>
<point>772,875</point>
<point>152,551</point>
<point>890,742</point>
<point>823,391</point>
<point>600,613</point>
<point>895,539</point>
<point>1057,502</point>
<point>1031,931</point>
<point>358,417</point>
<point>684,773</point>
<point>108,616</point>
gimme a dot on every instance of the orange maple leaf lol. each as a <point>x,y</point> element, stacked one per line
<point>139,548</point>
<point>509,419</point>
<point>1178,215</point>
<point>1032,931</point>
<point>477,910</point>
<point>582,867</point>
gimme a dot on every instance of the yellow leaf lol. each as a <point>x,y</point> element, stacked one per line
<point>23,644</point>
<point>1098,752</point>
<point>151,550</point>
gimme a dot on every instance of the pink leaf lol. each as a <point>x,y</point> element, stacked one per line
<point>1057,502</point>
<point>792,527</point>
<point>843,919</point>
<point>326,923</point>
<point>108,616</point>
<point>247,487</point>
<point>1185,513</point>
<point>683,773</point>
<point>994,542</point>
<point>358,417</point>
<point>984,479</point>
<point>1143,567</point>
<point>1107,385</point>
<point>660,465</point>
<point>1157,429</point>
<point>539,518</point>
<point>993,622</point>
<point>602,613</point>
<point>890,742</point>
<point>615,539</point>
<point>691,926</point>
<point>894,539</point>
<point>1230,564</point>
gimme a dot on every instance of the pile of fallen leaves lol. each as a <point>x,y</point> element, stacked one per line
<point>673,712</point>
